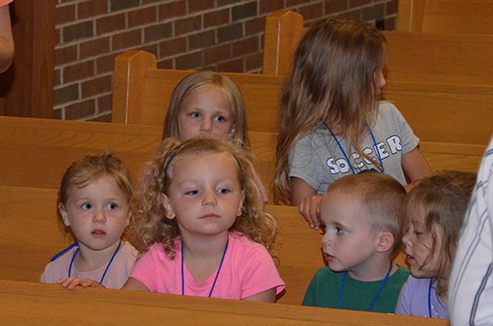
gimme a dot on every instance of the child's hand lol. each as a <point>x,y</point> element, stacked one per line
<point>310,209</point>
<point>71,282</point>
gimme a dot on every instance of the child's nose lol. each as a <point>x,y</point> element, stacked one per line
<point>210,198</point>
<point>405,239</point>
<point>99,216</point>
<point>326,241</point>
<point>206,125</point>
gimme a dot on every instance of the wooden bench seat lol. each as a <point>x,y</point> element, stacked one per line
<point>445,16</point>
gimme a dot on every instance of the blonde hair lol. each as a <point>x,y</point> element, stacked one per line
<point>200,80</point>
<point>90,169</point>
<point>443,200</point>
<point>333,79</point>
<point>148,214</point>
<point>381,197</point>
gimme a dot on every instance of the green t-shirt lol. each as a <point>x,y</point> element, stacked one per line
<point>325,286</point>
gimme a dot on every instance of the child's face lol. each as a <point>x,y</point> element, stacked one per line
<point>348,243</point>
<point>380,81</point>
<point>96,213</point>
<point>419,241</point>
<point>206,112</point>
<point>205,195</point>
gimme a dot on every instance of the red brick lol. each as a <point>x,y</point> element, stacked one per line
<point>65,14</point>
<point>65,55</point>
<point>390,24</point>
<point>292,3</point>
<point>104,103</point>
<point>127,40</point>
<point>105,63</point>
<point>94,47</point>
<point>172,47</point>
<point>246,46</point>
<point>194,5</point>
<point>391,7</point>
<point>358,3</point>
<point>92,8</point>
<point>235,65</point>
<point>96,86</point>
<point>58,36</point>
<point>311,11</point>
<point>105,117</point>
<point>78,71</point>
<point>268,6</point>
<point>165,64</point>
<point>110,24</point>
<point>58,77</point>
<point>216,18</point>
<point>80,110</point>
<point>142,16</point>
<point>217,54</point>
<point>145,2</point>
<point>334,6</point>
<point>255,26</point>
<point>189,61</point>
<point>172,9</point>
<point>254,62</point>
<point>66,94</point>
<point>188,24</point>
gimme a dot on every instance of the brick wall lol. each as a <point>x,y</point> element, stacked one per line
<point>222,35</point>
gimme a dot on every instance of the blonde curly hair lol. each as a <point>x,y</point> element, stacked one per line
<point>148,216</point>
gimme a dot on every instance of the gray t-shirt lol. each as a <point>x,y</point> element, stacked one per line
<point>317,159</point>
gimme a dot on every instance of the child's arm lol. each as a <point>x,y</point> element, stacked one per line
<point>135,285</point>
<point>266,296</point>
<point>71,282</point>
<point>415,167</point>
<point>307,200</point>
<point>6,40</point>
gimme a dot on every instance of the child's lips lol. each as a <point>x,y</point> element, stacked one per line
<point>98,233</point>
<point>209,216</point>
<point>329,258</point>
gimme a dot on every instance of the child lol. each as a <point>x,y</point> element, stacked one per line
<point>435,213</point>
<point>331,122</point>
<point>207,104</point>
<point>361,215</point>
<point>93,205</point>
<point>199,217</point>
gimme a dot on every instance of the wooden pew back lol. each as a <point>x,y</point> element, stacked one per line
<point>445,16</point>
<point>141,92</point>
<point>411,57</point>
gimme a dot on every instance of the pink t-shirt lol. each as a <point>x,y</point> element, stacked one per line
<point>115,277</point>
<point>247,269</point>
<point>4,2</point>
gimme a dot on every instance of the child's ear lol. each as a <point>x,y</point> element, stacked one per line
<point>168,209</point>
<point>240,204</point>
<point>64,214</point>
<point>385,242</point>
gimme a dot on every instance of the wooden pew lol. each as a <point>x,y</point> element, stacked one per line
<point>141,92</point>
<point>445,16</point>
<point>411,57</point>
<point>36,152</point>
<point>30,236</point>
<point>47,304</point>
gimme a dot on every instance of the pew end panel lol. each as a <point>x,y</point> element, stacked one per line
<point>141,92</point>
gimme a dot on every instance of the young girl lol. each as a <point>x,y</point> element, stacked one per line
<point>93,206</point>
<point>199,218</point>
<point>207,104</point>
<point>331,122</point>
<point>434,217</point>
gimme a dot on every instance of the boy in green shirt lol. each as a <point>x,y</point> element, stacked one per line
<point>362,215</point>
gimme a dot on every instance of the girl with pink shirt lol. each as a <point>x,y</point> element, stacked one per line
<point>198,220</point>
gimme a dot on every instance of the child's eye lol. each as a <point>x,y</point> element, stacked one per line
<point>220,119</point>
<point>194,115</point>
<point>192,192</point>
<point>86,206</point>
<point>224,191</point>
<point>340,230</point>
<point>112,206</point>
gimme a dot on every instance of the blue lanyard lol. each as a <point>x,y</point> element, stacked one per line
<point>217,274</point>
<point>376,296</point>
<point>429,298</point>
<point>344,153</point>
<point>107,266</point>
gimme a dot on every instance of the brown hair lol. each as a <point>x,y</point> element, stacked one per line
<point>443,200</point>
<point>333,79</point>
<point>200,80</point>
<point>381,197</point>
<point>148,214</point>
<point>89,169</point>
